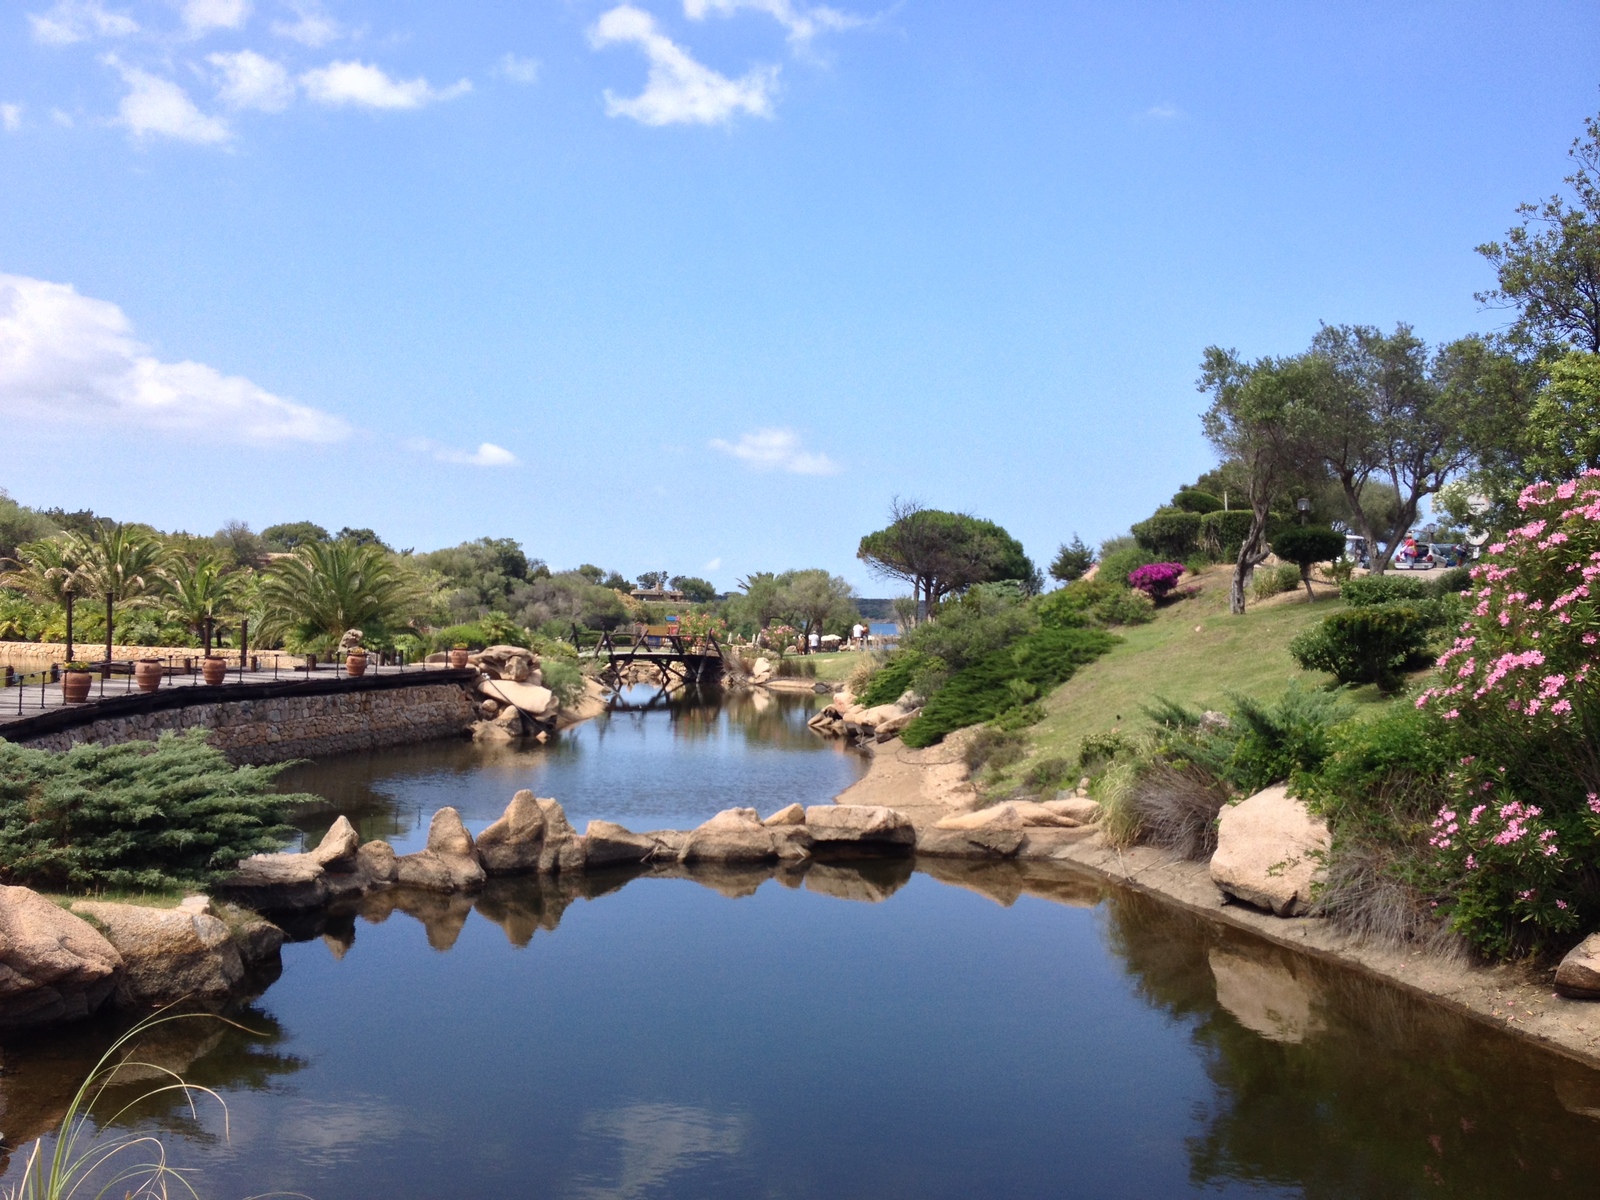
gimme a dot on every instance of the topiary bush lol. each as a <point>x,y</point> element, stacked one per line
<point>1169,535</point>
<point>1307,545</point>
<point>1222,533</point>
<point>983,691</point>
<point>1195,501</point>
<point>144,815</point>
<point>1371,644</point>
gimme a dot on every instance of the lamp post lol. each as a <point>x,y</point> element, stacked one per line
<point>1304,506</point>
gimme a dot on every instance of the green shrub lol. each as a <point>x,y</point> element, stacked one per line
<point>1307,545</point>
<point>997,748</point>
<point>563,678</point>
<point>981,692</point>
<point>496,629</point>
<point>1101,747</point>
<point>140,816</point>
<point>1222,533</point>
<point>1198,502</point>
<point>1169,535</point>
<point>1124,606</point>
<point>1382,589</point>
<point>981,622</point>
<point>1450,582</point>
<point>1275,580</point>
<point>892,680</point>
<point>1371,644</point>
<point>1047,775</point>
<point>1116,566</point>
<point>1258,744</point>
<point>1072,607</point>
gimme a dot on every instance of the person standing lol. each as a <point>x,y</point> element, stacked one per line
<point>813,642</point>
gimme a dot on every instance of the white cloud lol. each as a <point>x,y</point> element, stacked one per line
<point>776,450</point>
<point>341,83</point>
<point>313,27</point>
<point>156,106</point>
<point>200,17</point>
<point>62,118</point>
<point>67,357</point>
<point>802,23</point>
<point>1163,112</point>
<point>518,70</point>
<point>251,81</point>
<point>486,455</point>
<point>714,565</point>
<point>678,89</point>
<point>75,20</point>
<point>11,117</point>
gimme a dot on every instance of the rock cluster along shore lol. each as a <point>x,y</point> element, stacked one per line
<point>845,718</point>
<point>513,702</point>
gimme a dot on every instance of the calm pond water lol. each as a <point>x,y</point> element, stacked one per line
<point>882,1030</point>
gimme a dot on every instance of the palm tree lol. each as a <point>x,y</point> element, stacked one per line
<point>120,565</point>
<point>326,588</point>
<point>51,572</point>
<point>198,592</point>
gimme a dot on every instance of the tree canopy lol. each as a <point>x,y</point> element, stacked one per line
<point>943,553</point>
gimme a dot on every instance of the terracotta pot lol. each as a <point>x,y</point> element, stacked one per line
<point>213,670</point>
<point>458,658</point>
<point>147,673</point>
<point>356,665</point>
<point>75,686</point>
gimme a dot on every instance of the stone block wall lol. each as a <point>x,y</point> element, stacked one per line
<point>295,726</point>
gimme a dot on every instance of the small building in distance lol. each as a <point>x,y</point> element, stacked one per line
<point>658,595</point>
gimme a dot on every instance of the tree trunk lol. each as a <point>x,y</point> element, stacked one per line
<point>1250,555</point>
<point>110,612</point>
<point>205,636</point>
<point>1305,577</point>
<point>1375,564</point>
<point>70,599</point>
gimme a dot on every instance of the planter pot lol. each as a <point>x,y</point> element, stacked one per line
<point>213,670</point>
<point>75,686</point>
<point>356,665</point>
<point>147,673</point>
<point>458,658</point>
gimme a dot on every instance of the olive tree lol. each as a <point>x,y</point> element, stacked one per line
<point>940,553</point>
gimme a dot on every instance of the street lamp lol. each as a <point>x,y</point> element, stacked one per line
<point>1304,506</point>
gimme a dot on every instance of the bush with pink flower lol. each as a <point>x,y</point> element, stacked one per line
<point>1157,579</point>
<point>1519,693</point>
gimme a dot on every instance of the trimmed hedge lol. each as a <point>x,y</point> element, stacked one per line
<point>1381,589</point>
<point>1372,643</point>
<point>1170,535</point>
<point>1191,500</point>
<point>983,691</point>
<point>1222,533</point>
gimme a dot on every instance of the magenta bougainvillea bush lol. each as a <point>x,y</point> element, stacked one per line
<point>1519,693</point>
<point>1157,579</point>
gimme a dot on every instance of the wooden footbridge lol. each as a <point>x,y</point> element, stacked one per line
<point>681,660</point>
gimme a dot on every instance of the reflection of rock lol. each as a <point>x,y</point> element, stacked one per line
<point>53,966</point>
<point>1579,1094</point>
<point>733,880</point>
<point>652,1141</point>
<point>998,881</point>
<point>1265,995</point>
<point>443,914</point>
<point>168,953</point>
<point>522,907</point>
<point>868,880</point>
<point>1269,852</point>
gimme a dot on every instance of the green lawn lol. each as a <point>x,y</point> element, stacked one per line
<point>1194,652</point>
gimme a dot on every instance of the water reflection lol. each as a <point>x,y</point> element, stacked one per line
<point>669,766</point>
<point>649,1143</point>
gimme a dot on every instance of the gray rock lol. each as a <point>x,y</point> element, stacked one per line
<point>994,841</point>
<point>839,825</point>
<point>168,953</point>
<point>563,850</point>
<point>1270,852</point>
<point>733,835</point>
<point>1578,976</point>
<point>447,835</point>
<point>271,882</point>
<point>794,814</point>
<point>606,843</point>
<point>338,845</point>
<point>513,842</point>
<point>430,871</point>
<point>54,966</point>
<point>258,939</point>
<point>376,862</point>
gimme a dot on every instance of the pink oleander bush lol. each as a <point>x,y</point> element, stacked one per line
<point>1157,579</point>
<point>1518,840</point>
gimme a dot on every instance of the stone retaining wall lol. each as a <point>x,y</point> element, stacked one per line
<point>33,656</point>
<point>296,726</point>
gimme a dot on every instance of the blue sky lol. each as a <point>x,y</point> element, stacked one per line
<point>704,284</point>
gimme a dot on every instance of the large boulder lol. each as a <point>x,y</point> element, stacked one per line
<point>996,817</point>
<point>836,826</point>
<point>793,814</point>
<point>993,841</point>
<point>607,843</point>
<point>376,862</point>
<point>1270,852</point>
<point>447,834</point>
<point>535,700</point>
<point>1578,976</point>
<point>450,861</point>
<point>1080,808</point>
<point>733,835</point>
<point>513,842</point>
<point>563,851</point>
<point>168,954</point>
<point>258,939</point>
<point>54,966</point>
<point>277,882</point>
<point>338,845</point>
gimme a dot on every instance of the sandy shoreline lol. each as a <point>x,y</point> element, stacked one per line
<point>932,783</point>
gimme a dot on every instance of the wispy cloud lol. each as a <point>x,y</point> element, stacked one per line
<point>67,357</point>
<point>250,80</point>
<point>1164,112</point>
<point>486,455</point>
<point>311,26</point>
<point>802,23</point>
<point>201,17</point>
<point>714,565</point>
<point>518,70</point>
<point>157,107</point>
<point>77,20</point>
<point>678,90</point>
<point>11,117</point>
<point>776,450</point>
<point>367,86</point>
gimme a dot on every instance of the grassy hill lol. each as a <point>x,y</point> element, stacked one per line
<point>1194,652</point>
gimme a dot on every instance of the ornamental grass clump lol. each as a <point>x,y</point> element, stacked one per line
<point>1518,836</point>
<point>1156,579</point>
